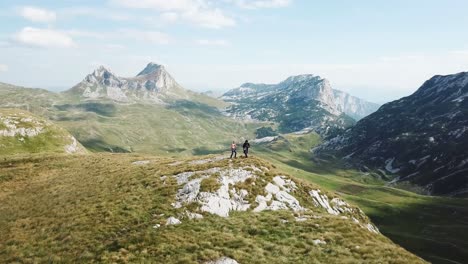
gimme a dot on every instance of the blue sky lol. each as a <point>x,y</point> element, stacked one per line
<point>378,50</point>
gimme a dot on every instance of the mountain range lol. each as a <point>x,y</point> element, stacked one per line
<point>303,102</point>
<point>151,113</point>
<point>148,113</point>
<point>420,139</point>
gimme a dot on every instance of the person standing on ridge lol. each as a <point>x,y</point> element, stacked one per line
<point>246,147</point>
<point>233,149</point>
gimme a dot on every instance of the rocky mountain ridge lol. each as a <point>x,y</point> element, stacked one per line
<point>297,103</point>
<point>152,84</point>
<point>421,138</point>
<point>335,101</point>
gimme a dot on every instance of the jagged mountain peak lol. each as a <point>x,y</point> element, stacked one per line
<point>302,78</point>
<point>247,84</point>
<point>101,71</point>
<point>152,68</point>
<point>153,83</point>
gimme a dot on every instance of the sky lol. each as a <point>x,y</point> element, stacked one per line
<point>375,49</point>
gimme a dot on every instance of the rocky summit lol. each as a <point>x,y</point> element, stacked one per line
<point>303,102</point>
<point>153,84</point>
<point>418,138</point>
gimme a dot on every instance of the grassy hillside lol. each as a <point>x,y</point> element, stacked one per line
<point>23,132</point>
<point>114,209</point>
<point>434,228</point>
<point>182,127</point>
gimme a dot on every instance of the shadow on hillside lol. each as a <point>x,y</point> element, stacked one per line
<point>103,109</point>
<point>186,107</point>
<point>436,230</point>
<point>98,145</point>
<point>205,151</point>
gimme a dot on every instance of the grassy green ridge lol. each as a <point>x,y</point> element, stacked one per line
<point>101,208</point>
<point>434,228</point>
<point>51,138</point>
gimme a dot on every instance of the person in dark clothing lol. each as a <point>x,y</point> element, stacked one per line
<point>233,149</point>
<point>246,147</point>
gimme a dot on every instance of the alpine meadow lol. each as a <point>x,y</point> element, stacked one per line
<point>233,132</point>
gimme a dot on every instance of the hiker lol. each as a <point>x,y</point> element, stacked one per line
<point>246,147</point>
<point>233,150</point>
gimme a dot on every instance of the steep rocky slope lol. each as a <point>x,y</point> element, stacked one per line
<point>300,102</point>
<point>355,107</point>
<point>153,84</point>
<point>23,132</point>
<point>127,208</point>
<point>420,138</point>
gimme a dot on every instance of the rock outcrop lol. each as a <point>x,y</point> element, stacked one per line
<point>248,188</point>
<point>22,132</point>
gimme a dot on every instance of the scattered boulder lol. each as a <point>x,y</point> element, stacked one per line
<point>173,221</point>
<point>141,162</point>
<point>223,260</point>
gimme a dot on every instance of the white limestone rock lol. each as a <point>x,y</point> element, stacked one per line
<point>223,260</point>
<point>173,221</point>
<point>73,147</point>
<point>220,202</point>
<point>279,192</point>
<point>318,242</point>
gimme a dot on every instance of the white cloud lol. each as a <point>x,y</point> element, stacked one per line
<point>155,37</point>
<point>98,13</point>
<point>211,18</point>
<point>197,12</point>
<point>114,47</point>
<point>212,42</point>
<point>3,68</point>
<point>163,5</point>
<point>254,4</point>
<point>169,17</point>
<point>36,14</point>
<point>45,38</point>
